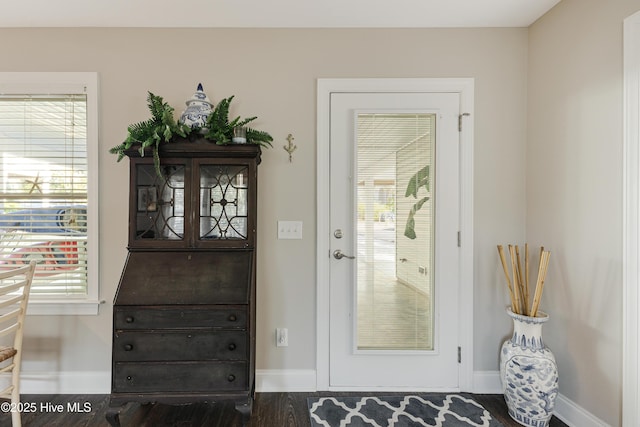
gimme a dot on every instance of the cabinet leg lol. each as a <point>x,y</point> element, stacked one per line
<point>113,416</point>
<point>245,410</point>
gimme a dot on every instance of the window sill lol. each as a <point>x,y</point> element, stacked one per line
<point>44,307</point>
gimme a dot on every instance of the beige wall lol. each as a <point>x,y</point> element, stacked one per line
<point>574,192</point>
<point>273,75</point>
<point>562,188</point>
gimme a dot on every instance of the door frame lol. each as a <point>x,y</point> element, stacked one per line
<point>631,224</point>
<point>325,87</point>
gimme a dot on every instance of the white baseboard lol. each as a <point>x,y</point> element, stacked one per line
<point>99,382</point>
<point>82,382</point>
<point>285,380</point>
<point>277,380</point>
<point>488,382</point>
<point>574,415</point>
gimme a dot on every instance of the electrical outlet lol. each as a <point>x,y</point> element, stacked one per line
<point>282,337</point>
<point>289,229</point>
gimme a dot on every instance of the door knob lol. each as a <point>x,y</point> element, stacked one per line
<point>337,254</point>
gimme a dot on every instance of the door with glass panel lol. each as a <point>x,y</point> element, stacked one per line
<point>394,255</point>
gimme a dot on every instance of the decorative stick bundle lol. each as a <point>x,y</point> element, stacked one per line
<point>518,281</point>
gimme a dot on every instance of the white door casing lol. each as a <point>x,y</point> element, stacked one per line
<point>631,224</point>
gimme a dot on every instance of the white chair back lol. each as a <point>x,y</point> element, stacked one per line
<point>15,284</point>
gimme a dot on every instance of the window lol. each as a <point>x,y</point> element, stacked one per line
<point>48,186</point>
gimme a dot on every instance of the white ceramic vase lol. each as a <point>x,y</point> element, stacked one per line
<point>529,372</point>
<point>198,109</point>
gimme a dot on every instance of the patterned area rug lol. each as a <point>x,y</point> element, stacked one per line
<point>445,410</point>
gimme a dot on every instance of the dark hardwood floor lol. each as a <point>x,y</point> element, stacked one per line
<point>269,410</point>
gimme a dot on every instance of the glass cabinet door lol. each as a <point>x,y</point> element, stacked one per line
<point>201,203</point>
<point>224,204</point>
<point>160,203</point>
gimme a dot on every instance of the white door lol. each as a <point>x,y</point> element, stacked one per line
<point>394,221</point>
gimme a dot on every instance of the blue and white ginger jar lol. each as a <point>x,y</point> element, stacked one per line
<point>198,110</point>
<point>528,372</point>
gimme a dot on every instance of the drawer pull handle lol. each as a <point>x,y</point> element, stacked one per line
<point>231,378</point>
<point>129,319</point>
<point>232,347</point>
<point>128,347</point>
<point>232,318</point>
<point>129,378</point>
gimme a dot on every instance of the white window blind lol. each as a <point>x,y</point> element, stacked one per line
<point>44,190</point>
<point>395,240</point>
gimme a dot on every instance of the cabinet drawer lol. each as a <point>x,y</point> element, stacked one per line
<point>190,377</point>
<point>179,345</point>
<point>180,317</point>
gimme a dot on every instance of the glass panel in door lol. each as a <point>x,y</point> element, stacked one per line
<point>223,202</point>
<point>395,231</point>
<point>160,202</point>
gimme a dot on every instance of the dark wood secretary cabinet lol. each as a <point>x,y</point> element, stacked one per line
<point>184,313</point>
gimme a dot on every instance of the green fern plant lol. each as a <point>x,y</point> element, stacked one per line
<point>259,137</point>
<point>220,129</point>
<point>161,127</point>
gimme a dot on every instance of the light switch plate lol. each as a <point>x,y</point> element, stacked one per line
<point>289,229</point>
<point>282,337</point>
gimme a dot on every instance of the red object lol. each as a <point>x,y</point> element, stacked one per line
<point>52,257</point>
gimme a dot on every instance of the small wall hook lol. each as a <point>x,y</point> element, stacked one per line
<point>291,147</point>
